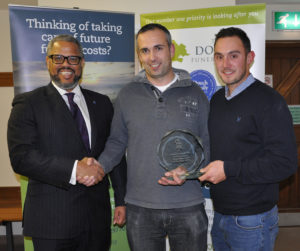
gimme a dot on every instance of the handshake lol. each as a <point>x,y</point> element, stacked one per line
<point>89,172</point>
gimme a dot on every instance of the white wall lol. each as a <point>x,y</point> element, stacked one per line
<point>7,177</point>
<point>5,52</point>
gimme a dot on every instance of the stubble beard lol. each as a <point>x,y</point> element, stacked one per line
<point>159,74</point>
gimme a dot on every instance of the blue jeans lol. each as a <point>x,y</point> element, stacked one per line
<point>245,233</point>
<point>147,228</point>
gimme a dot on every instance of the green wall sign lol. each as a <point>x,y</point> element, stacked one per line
<point>286,20</point>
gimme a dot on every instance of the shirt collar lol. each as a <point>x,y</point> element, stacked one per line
<point>249,81</point>
<point>62,92</point>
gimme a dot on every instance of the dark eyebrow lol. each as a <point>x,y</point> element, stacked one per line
<point>231,52</point>
<point>234,52</point>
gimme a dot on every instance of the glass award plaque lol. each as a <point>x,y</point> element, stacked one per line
<point>181,148</point>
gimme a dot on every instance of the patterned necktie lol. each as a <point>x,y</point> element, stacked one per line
<point>77,115</point>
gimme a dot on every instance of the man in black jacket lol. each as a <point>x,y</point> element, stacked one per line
<point>50,132</point>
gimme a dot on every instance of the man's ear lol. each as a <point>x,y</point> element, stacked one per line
<point>172,50</point>
<point>82,62</point>
<point>47,61</point>
<point>250,57</point>
<point>138,56</point>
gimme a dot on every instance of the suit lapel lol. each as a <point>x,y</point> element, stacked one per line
<point>91,105</point>
<point>62,113</point>
<point>56,100</point>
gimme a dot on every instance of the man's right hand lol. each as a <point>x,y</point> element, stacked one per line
<point>89,172</point>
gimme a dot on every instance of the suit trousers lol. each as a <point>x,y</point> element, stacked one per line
<point>83,242</point>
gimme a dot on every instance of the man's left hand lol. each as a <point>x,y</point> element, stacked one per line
<point>173,177</point>
<point>120,216</point>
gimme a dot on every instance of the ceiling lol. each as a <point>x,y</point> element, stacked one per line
<point>4,3</point>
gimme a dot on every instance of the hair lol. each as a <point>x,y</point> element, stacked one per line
<point>232,32</point>
<point>66,38</point>
<point>153,26</point>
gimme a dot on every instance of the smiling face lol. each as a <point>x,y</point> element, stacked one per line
<point>64,75</point>
<point>155,56</point>
<point>232,61</point>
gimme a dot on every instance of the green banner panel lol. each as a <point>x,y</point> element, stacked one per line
<point>220,16</point>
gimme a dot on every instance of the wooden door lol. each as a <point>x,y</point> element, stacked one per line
<point>283,63</point>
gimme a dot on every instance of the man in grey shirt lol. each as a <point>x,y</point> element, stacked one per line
<point>158,100</point>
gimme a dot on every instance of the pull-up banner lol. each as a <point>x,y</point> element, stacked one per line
<point>108,45</point>
<point>193,33</point>
<point>107,39</point>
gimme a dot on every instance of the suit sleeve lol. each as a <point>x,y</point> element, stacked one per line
<point>25,154</point>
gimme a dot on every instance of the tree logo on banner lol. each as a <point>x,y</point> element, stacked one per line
<point>180,52</point>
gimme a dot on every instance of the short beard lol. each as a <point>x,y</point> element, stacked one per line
<point>237,80</point>
<point>66,87</point>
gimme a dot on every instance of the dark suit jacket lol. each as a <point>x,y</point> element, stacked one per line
<point>44,142</point>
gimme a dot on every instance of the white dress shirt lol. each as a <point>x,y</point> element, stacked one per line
<point>80,101</point>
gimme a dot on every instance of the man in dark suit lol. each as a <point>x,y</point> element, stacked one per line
<point>46,145</point>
